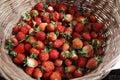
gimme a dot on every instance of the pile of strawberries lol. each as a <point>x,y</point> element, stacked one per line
<point>56,42</point>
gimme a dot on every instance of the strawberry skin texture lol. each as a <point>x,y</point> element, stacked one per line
<point>79,27</point>
<point>55,76</point>
<point>44,56</point>
<point>82,62</point>
<point>40,35</point>
<point>78,73</point>
<point>19,48</point>
<point>57,43</point>
<point>29,70</point>
<point>38,20</point>
<point>97,27</point>
<point>48,66</point>
<point>16,29</point>
<point>86,36</point>
<point>39,6</point>
<point>34,51</point>
<point>20,36</point>
<point>37,73</point>
<point>54,54</point>
<point>19,58</point>
<point>92,63</point>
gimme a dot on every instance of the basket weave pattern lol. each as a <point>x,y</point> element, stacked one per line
<point>107,11</point>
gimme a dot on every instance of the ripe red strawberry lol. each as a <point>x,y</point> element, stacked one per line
<point>43,26</point>
<point>19,48</point>
<point>69,76</point>
<point>97,27</point>
<point>62,7</point>
<point>50,27</point>
<point>58,23</point>
<point>48,66</point>
<point>86,36</point>
<point>79,27</point>
<point>46,17</point>
<point>62,39</point>
<point>60,29</point>
<point>94,35</point>
<point>50,9</point>
<point>60,69</point>
<point>14,41</point>
<point>55,76</point>
<point>40,35</point>
<point>68,18</point>
<point>52,36</point>
<point>31,39</point>
<point>38,20</point>
<point>54,54</point>
<point>80,18</point>
<point>57,43</point>
<point>16,29</point>
<point>68,62</point>
<point>72,10</point>
<point>92,63</point>
<point>100,51</point>
<point>46,75</point>
<point>29,70</point>
<point>44,56</point>
<point>92,18</point>
<point>39,6</point>
<point>64,55</point>
<point>88,51</point>
<point>78,73</point>
<point>55,16</point>
<point>37,73</point>
<point>77,43</point>
<point>69,30</point>
<point>82,62</point>
<point>31,62</point>
<point>19,58</point>
<point>24,30</point>
<point>76,35</point>
<point>34,51</point>
<point>39,45</point>
<point>65,46</point>
<point>70,69</point>
<point>28,46</point>
<point>58,62</point>
<point>20,36</point>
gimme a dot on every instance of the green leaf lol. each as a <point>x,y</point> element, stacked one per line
<point>99,58</point>
<point>25,61</point>
<point>37,29</point>
<point>35,44</point>
<point>57,33</point>
<point>22,24</point>
<point>88,27</point>
<point>45,5</point>
<point>9,45</point>
<point>26,16</point>
<point>66,70</point>
<point>13,54</point>
<point>81,53</point>
<point>85,21</point>
<point>41,68</point>
<point>34,23</point>
<point>63,18</point>
<point>95,43</point>
<point>71,24</point>
<point>103,31</point>
<point>35,13</point>
<point>27,38</point>
<point>66,35</point>
<point>53,23</point>
<point>33,55</point>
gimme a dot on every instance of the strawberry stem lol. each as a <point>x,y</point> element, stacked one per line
<point>9,45</point>
<point>26,16</point>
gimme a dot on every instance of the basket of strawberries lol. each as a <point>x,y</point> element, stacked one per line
<point>58,39</point>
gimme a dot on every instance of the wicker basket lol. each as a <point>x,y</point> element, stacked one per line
<point>107,11</point>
